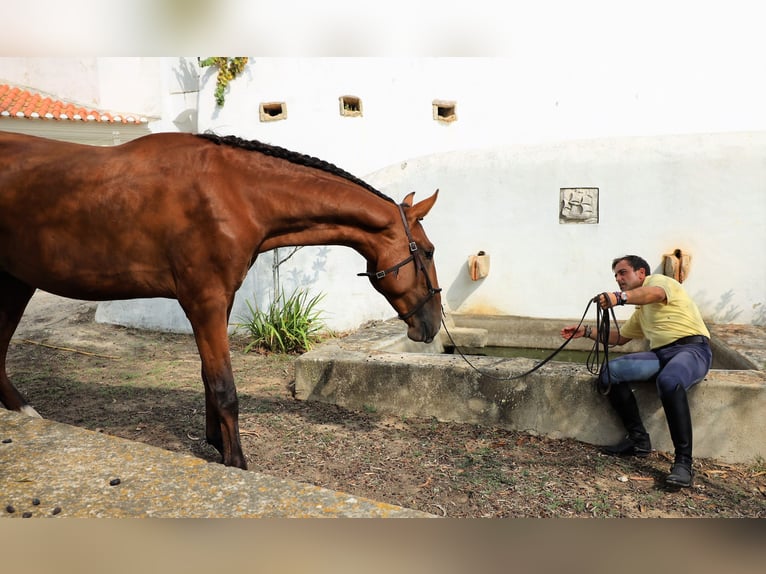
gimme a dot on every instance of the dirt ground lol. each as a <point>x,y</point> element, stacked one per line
<point>145,386</point>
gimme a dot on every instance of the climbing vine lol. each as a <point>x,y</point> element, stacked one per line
<point>228,69</point>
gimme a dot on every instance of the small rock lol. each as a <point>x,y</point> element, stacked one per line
<point>114,482</point>
<point>7,440</point>
<point>10,509</point>
<point>56,511</point>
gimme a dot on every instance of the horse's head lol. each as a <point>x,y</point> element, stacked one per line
<point>402,269</point>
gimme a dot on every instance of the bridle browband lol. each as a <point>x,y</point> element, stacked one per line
<point>419,265</point>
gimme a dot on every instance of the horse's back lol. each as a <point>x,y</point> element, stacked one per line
<point>43,180</point>
<point>36,151</point>
<point>98,222</point>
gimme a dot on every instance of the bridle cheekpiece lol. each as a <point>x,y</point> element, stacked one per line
<point>419,265</point>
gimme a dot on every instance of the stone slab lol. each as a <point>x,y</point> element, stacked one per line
<point>72,473</point>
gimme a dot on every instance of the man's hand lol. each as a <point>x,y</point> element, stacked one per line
<point>572,332</point>
<point>607,300</point>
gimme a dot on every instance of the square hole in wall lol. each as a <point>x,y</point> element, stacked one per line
<point>578,205</point>
<point>273,111</point>
<point>444,111</point>
<point>350,106</point>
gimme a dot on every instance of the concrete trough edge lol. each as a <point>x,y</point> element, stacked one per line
<point>374,369</point>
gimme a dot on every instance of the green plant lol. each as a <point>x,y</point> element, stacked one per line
<point>289,325</point>
<point>228,69</point>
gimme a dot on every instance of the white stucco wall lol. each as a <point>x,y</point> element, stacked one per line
<point>555,89</point>
<point>703,194</point>
<point>397,96</point>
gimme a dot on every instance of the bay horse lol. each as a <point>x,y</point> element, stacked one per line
<point>184,216</point>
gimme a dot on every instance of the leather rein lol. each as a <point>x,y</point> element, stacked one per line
<point>419,265</point>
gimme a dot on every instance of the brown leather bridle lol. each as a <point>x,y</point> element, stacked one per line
<point>419,265</point>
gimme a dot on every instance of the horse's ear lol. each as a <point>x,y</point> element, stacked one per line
<point>407,201</point>
<point>421,209</point>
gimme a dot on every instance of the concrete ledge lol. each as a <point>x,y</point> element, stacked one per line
<point>70,469</point>
<point>371,369</point>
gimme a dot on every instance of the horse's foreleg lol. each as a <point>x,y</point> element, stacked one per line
<point>14,296</point>
<point>212,420</point>
<point>221,403</point>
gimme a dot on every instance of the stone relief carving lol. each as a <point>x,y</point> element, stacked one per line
<point>578,205</point>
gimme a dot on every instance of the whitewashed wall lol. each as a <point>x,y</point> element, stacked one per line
<point>397,96</point>
<point>557,90</point>
<point>703,194</point>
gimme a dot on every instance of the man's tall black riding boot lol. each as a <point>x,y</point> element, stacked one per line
<point>637,442</point>
<point>679,418</point>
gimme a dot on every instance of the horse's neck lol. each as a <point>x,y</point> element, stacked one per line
<point>354,218</point>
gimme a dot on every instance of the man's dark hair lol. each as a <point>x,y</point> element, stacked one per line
<point>635,262</point>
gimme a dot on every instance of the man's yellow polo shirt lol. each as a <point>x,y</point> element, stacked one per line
<point>665,322</point>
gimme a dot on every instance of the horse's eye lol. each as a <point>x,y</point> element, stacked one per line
<point>429,254</point>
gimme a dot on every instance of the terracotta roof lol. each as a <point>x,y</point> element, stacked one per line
<point>18,103</point>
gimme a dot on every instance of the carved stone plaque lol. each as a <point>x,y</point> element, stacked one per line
<point>578,205</point>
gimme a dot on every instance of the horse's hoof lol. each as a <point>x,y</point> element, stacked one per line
<point>30,412</point>
<point>236,462</point>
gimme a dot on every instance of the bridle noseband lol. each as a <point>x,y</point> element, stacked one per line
<point>419,265</point>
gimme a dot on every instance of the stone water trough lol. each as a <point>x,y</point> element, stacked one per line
<point>378,368</point>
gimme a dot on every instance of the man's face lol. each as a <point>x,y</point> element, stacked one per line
<point>628,278</point>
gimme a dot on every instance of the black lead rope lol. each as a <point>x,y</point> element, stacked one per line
<point>595,363</point>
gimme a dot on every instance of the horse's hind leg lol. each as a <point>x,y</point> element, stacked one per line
<point>209,321</point>
<point>14,296</point>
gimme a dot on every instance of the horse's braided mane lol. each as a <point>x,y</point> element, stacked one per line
<point>291,156</point>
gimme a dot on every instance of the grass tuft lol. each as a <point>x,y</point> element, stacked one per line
<point>291,324</point>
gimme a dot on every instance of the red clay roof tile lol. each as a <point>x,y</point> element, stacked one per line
<point>18,103</point>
